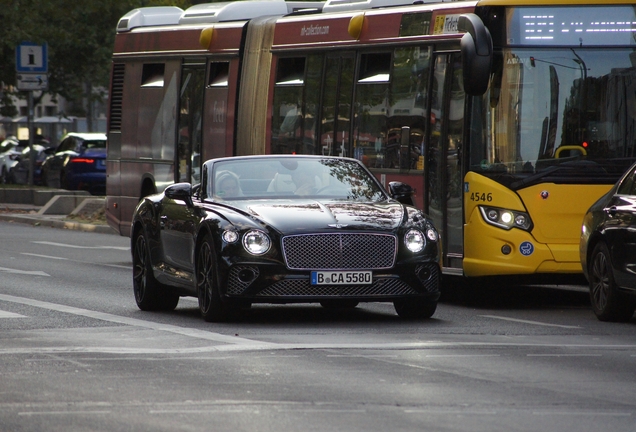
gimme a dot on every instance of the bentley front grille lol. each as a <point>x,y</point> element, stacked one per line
<point>302,287</point>
<point>340,251</point>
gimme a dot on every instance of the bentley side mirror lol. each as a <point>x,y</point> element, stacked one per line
<point>180,191</point>
<point>402,192</point>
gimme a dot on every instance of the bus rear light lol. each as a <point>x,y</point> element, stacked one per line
<point>506,219</point>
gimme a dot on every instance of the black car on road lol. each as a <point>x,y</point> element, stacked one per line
<point>608,251</point>
<point>284,229</point>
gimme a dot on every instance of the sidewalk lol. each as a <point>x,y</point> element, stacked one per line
<point>32,215</point>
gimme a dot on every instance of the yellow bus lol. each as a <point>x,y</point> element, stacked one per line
<point>509,118</point>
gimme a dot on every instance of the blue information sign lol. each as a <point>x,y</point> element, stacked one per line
<point>31,58</point>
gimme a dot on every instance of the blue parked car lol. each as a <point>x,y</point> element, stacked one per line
<point>608,251</point>
<point>79,163</point>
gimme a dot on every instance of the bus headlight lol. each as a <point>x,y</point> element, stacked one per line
<point>506,219</point>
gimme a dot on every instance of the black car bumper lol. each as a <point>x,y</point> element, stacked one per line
<point>259,283</point>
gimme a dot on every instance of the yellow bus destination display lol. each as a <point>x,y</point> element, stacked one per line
<point>568,26</point>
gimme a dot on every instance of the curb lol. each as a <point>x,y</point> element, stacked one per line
<point>57,223</point>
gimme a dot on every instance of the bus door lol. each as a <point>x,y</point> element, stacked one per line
<point>444,151</point>
<point>179,235</point>
<point>190,120</point>
<point>337,94</point>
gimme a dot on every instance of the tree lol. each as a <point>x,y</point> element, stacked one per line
<point>79,37</point>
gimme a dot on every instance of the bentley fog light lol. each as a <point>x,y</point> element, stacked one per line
<point>506,219</point>
<point>414,240</point>
<point>256,242</point>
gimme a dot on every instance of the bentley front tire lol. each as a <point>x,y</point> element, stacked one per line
<point>210,304</point>
<point>150,295</point>
<point>415,309</point>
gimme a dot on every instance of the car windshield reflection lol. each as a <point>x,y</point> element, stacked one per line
<point>292,178</point>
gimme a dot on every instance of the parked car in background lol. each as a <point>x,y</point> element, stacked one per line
<point>10,150</point>
<point>19,173</point>
<point>79,163</point>
<point>608,251</point>
<point>285,229</point>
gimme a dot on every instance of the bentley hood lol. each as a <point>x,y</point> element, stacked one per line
<point>303,216</point>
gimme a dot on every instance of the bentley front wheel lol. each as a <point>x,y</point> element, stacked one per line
<point>210,304</point>
<point>415,309</point>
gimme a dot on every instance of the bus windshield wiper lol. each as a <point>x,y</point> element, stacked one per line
<point>531,179</point>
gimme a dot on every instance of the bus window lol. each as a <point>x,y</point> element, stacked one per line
<point>190,123</point>
<point>372,107</point>
<point>337,98</point>
<point>313,81</point>
<point>152,75</point>
<point>219,74</point>
<point>287,112</point>
<point>215,133</point>
<point>388,101</point>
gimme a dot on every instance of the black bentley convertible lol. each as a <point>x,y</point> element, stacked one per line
<point>284,229</point>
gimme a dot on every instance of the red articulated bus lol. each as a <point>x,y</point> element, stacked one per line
<point>508,117</point>
<point>253,77</point>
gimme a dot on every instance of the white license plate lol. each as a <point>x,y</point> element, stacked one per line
<point>341,277</point>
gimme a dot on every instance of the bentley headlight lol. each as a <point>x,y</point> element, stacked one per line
<point>230,236</point>
<point>431,233</point>
<point>506,219</point>
<point>256,242</point>
<point>414,240</point>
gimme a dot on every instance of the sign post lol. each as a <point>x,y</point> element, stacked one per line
<point>31,65</point>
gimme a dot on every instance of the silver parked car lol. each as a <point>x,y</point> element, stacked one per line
<point>10,151</point>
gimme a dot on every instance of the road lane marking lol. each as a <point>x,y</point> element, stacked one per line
<point>118,266</point>
<point>123,248</point>
<point>4,314</point>
<point>23,272</point>
<point>238,344</point>
<point>83,262</point>
<point>530,322</point>
<point>39,413</point>
<point>586,413</point>
<point>44,256</point>
<point>564,355</point>
<point>194,333</point>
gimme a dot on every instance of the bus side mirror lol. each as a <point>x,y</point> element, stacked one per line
<point>401,192</point>
<point>476,46</point>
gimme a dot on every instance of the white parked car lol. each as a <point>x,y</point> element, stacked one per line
<point>10,150</point>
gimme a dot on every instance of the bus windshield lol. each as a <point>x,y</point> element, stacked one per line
<point>564,115</point>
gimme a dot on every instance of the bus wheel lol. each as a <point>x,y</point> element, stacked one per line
<point>412,309</point>
<point>607,302</point>
<point>210,303</point>
<point>150,295</point>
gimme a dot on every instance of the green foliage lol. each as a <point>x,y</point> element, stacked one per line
<point>79,36</point>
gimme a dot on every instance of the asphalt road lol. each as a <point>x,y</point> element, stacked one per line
<point>76,354</point>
